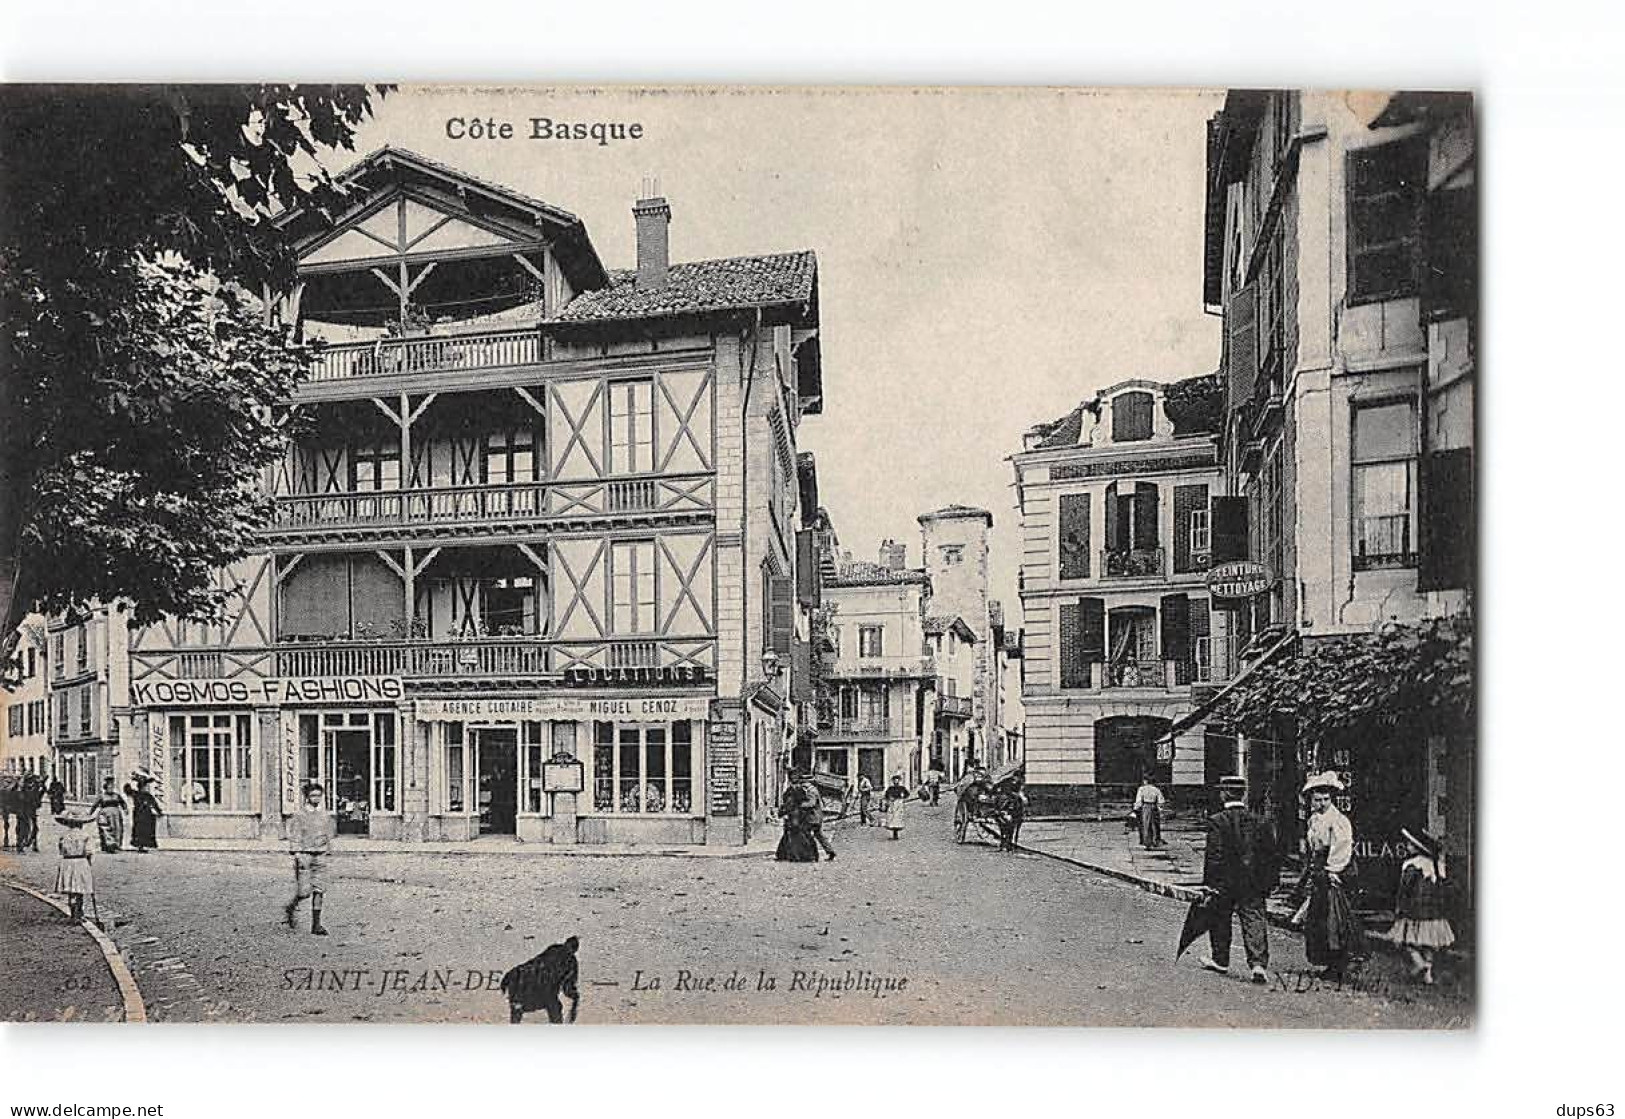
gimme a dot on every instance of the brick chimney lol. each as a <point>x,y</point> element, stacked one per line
<point>893,556</point>
<point>652,216</point>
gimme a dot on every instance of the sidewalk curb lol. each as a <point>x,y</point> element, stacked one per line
<point>1149,885</point>
<point>135,1008</point>
<point>535,850</point>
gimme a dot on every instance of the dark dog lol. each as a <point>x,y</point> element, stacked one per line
<point>537,983</point>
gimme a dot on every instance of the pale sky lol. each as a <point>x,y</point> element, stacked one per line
<point>986,257</point>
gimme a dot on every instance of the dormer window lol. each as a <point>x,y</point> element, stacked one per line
<point>1131,417</point>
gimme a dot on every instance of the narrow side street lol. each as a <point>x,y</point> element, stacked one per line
<point>930,932</point>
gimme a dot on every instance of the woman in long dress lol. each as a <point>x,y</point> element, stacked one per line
<point>1332,933</point>
<point>896,798</point>
<point>109,812</point>
<point>144,813</point>
<point>796,845</point>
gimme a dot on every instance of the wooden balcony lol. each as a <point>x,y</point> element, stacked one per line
<point>388,357</point>
<point>479,658</point>
<point>530,505</point>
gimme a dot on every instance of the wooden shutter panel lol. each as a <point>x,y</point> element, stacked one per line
<point>808,588</point>
<point>1187,500</point>
<point>1074,530</point>
<point>1116,527</point>
<point>1447,525</point>
<point>1092,624</point>
<point>781,597</point>
<point>1074,669</point>
<point>801,688</point>
<point>1229,525</point>
<point>1147,514</point>
<point>1176,628</point>
<point>1241,335</point>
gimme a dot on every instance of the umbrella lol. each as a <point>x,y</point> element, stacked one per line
<point>1198,920</point>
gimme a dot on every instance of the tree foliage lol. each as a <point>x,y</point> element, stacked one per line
<point>138,371</point>
<point>1400,674</point>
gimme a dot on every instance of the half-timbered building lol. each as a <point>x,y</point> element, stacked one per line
<point>531,571</point>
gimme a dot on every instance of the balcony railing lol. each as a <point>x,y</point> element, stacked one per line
<point>1128,563</point>
<point>854,725</point>
<point>957,706</point>
<point>900,667</point>
<point>1383,541</point>
<point>393,356</point>
<point>493,504</point>
<point>1138,674</point>
<point>485,657</point>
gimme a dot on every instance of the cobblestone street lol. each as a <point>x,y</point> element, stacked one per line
<point>949,934</point>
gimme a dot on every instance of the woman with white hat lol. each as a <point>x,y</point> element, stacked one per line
<point>73,869</point>
<point>1332,935</point>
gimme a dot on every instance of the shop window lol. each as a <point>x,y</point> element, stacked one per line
<point>1384,484</point>
<point>632,578</point>
<point>456,771</point>
<point>870,641</point>
<point>385,763</point>
<point>643,768</point>
<point>535,759</point>
<point>631,427</point>
<point>211,762</point>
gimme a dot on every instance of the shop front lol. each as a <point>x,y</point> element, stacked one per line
<point>565,768</point>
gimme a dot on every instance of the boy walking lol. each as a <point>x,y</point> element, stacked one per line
<point>310,836</point>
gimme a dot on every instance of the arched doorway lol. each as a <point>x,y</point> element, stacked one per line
<point>1125,748</point>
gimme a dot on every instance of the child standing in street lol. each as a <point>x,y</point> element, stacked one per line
<point>310,836</point>
<point>1420,925</point>
<point>73,871</point>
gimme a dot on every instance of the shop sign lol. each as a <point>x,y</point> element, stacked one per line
<point>265,691</point>
<point>520,709</point>
<point>586,676</point>
<point>563,774</point>
<point>1238,579</point>
<point>723,782</point>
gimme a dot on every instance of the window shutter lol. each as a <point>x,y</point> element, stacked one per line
<point>808,588</point>
<point>1229,529</point>
<point>801,687</point>
<point>1074,530</point>
<point>781,599</point>
<point>1384,200</point>
<point>1176,628</point>
<point>1116,529</point>
<point>1241,334</point>
<point>1187,500</point>
<point>1447,525</point>
<point>1147,514</point>
<point>1074,669</point>
<point>1092,624</point>
<point>1449,253</point>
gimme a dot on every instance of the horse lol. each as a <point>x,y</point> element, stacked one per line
<point>1009,809</point>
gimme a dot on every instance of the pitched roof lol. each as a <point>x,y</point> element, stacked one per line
<point>949,512</point>
<point>863,574</point>
<point>701,286</point>
<point>941,623</point>
<point>1063,432</point>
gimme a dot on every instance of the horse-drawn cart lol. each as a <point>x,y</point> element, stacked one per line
<point>993,810</point>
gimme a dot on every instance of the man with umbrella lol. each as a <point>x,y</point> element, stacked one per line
<point>1240,868</point>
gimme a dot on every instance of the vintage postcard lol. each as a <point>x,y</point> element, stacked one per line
<point>897,556</point>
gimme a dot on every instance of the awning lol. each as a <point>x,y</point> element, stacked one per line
<point>1202,712</point>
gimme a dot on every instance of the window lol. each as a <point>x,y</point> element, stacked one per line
<point>643,768</point>
<point>84,711</point>
<point>1131,417</point>
<point>1384,484</point>
<point>632,576</point>
<point>869,641</point>
<point>1385,186</point>
<point>510,456</point>
<point>33,665</point>
<point>631,427</point>
<point>508,606</point>
<point>84,648</point>
<point>952,555</point>
<point>1201,532</point>
<point>532,737</point>
<point>456,769</point>
<point>376,466</point>
<point>211,759</point>
<point>62,715</point>
<point>384,763</point>
<point>14,722</point>
<point>36,717</point>
<point>1074,529</point>
<point>56,657</point>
